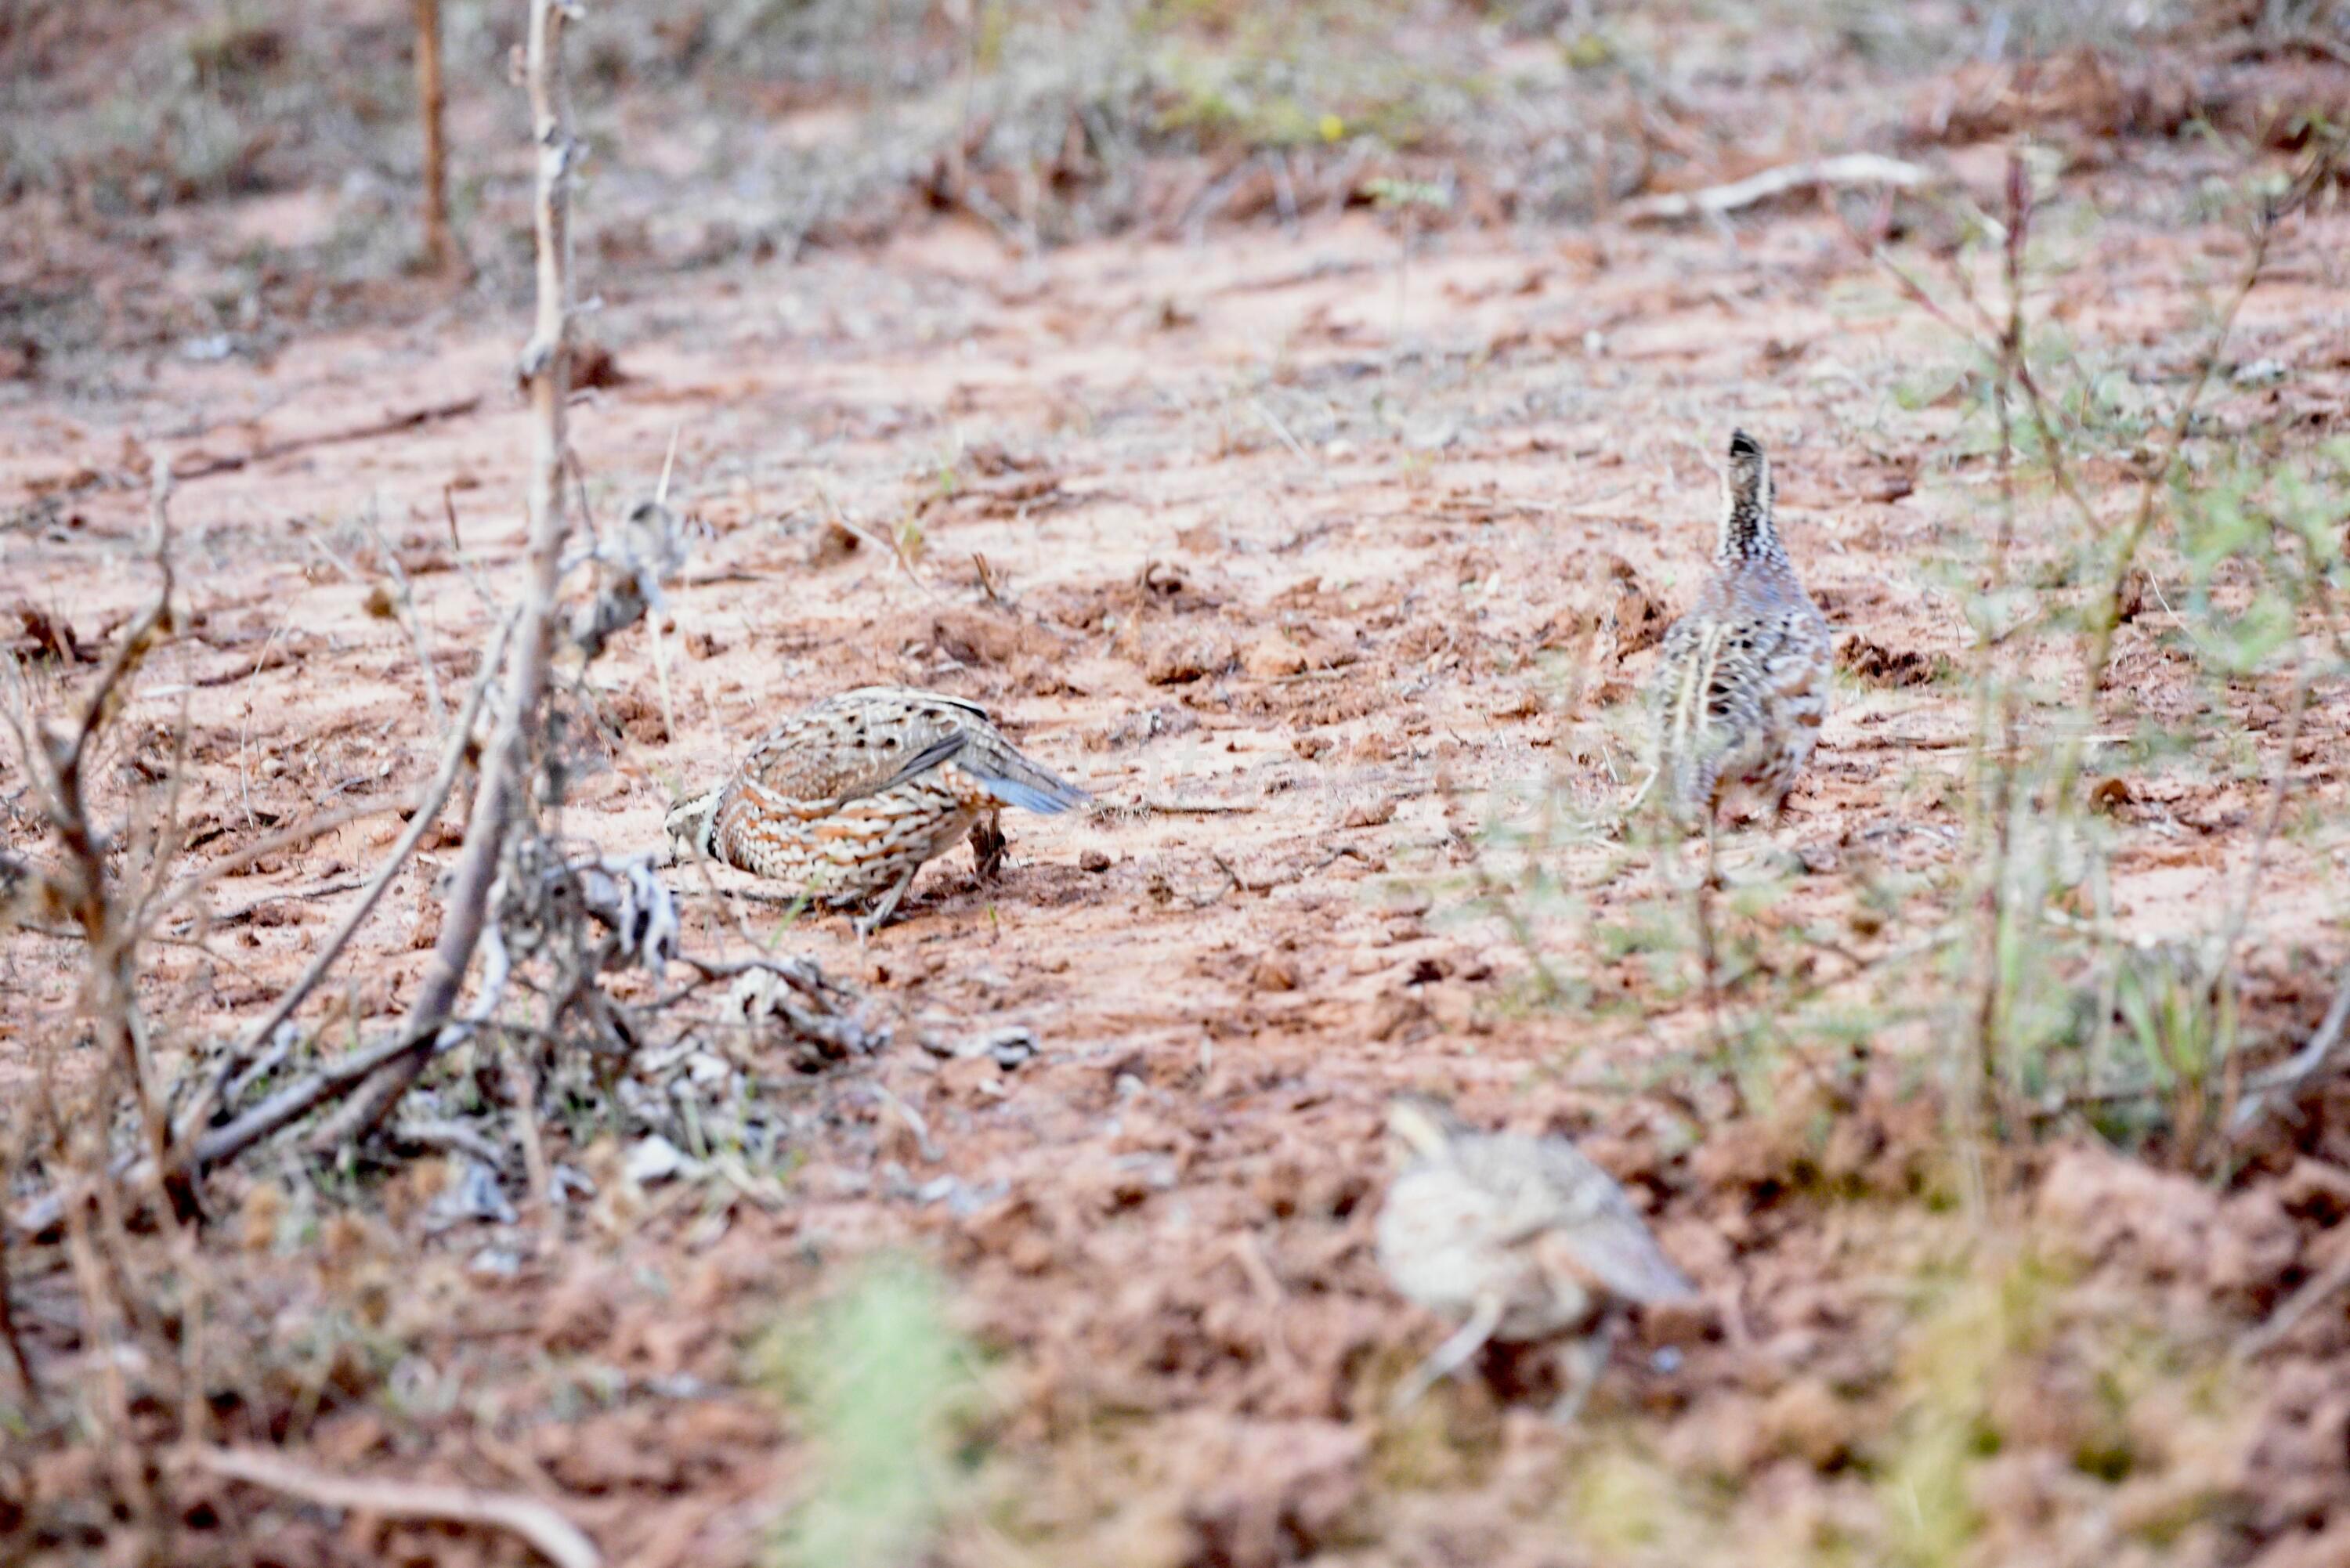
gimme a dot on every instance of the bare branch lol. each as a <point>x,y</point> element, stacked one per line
<point>546,362</point>
<point>549,1535</point>
<point>428,813</point>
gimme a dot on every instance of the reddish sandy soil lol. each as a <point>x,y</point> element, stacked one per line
<point>1293,558</point>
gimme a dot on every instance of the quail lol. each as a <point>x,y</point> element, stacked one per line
<point>1741,686</point>
<point>1520,1238</point>
<point>845,800</point>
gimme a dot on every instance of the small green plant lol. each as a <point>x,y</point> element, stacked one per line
<point>880,1380</point>
<point>1408,199</point>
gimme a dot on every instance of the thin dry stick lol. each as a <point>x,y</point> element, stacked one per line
<point>428,813</point>
<point>523,1088</point>
<point>295,838</point>
<point>432,102</point>
<point>1709,955</point>
<point>294,1102</point>
<point>390,424</point>
<point>889,543</point>
<point>1852,169</point>
<point>2304,1064</point>
<point>546,362</point>
<point>653,618</point>
<point>2298,1305</point>
<point>548,1533</point>
<point>8,1331</point>
<point>404,602</point>
<point>288,1105</point>
<point>1993,784</point>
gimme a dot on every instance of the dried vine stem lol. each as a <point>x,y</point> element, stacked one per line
<point>547,363</point>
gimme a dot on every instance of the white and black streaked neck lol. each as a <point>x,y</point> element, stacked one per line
<point>1749,530</point>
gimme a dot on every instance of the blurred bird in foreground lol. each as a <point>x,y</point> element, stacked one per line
<point>1522,1238</point>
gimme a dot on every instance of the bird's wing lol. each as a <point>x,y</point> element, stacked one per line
<point>1013,779</point>
<point>1795,657</point>
<point>1618,1251</point>
<point>857,744</point>
<point>1600,1235</point>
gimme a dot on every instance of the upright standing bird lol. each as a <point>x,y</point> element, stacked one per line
<point>1522,1238</point>
<point>845,800</point>
<point>1742,688</point>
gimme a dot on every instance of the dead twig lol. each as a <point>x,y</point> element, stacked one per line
<point>1193,807</point>
<point>403,602</point>
<point>2298,1305</point>
<point>2304,1064</point>
<point>390,424</point>
<point>8,1331</point>
<point>1852,169</point>
<point>300,835</point>
<point>548,1533</point>
<point>449,1137</point>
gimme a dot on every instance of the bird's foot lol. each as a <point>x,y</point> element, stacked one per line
<point>987,847</point>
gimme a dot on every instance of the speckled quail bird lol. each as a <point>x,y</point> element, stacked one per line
<point>845,800</point>
<point>1522,1238</point>
<point>1741,686</point>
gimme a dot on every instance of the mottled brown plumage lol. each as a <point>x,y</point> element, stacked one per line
<point>1521,1237</point>
<point>1742,688</point>
<point>845,800</point>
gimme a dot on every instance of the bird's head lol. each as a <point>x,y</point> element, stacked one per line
<point>692,828</point>
<point>1749,521</point>
<point>1421,1126</point>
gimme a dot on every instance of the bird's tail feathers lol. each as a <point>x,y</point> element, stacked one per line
<point>1016,781</point>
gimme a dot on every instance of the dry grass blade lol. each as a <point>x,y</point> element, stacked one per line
<point>549,1535</point>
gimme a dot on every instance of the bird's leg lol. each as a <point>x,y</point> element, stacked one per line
<point>879,915</point>
<point>987,845</point>
<point>1640,795</point>
<point>1583,1361</point>
<point>1446,1358</point>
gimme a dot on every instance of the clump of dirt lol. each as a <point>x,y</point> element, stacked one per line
<point>1880,666</point>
